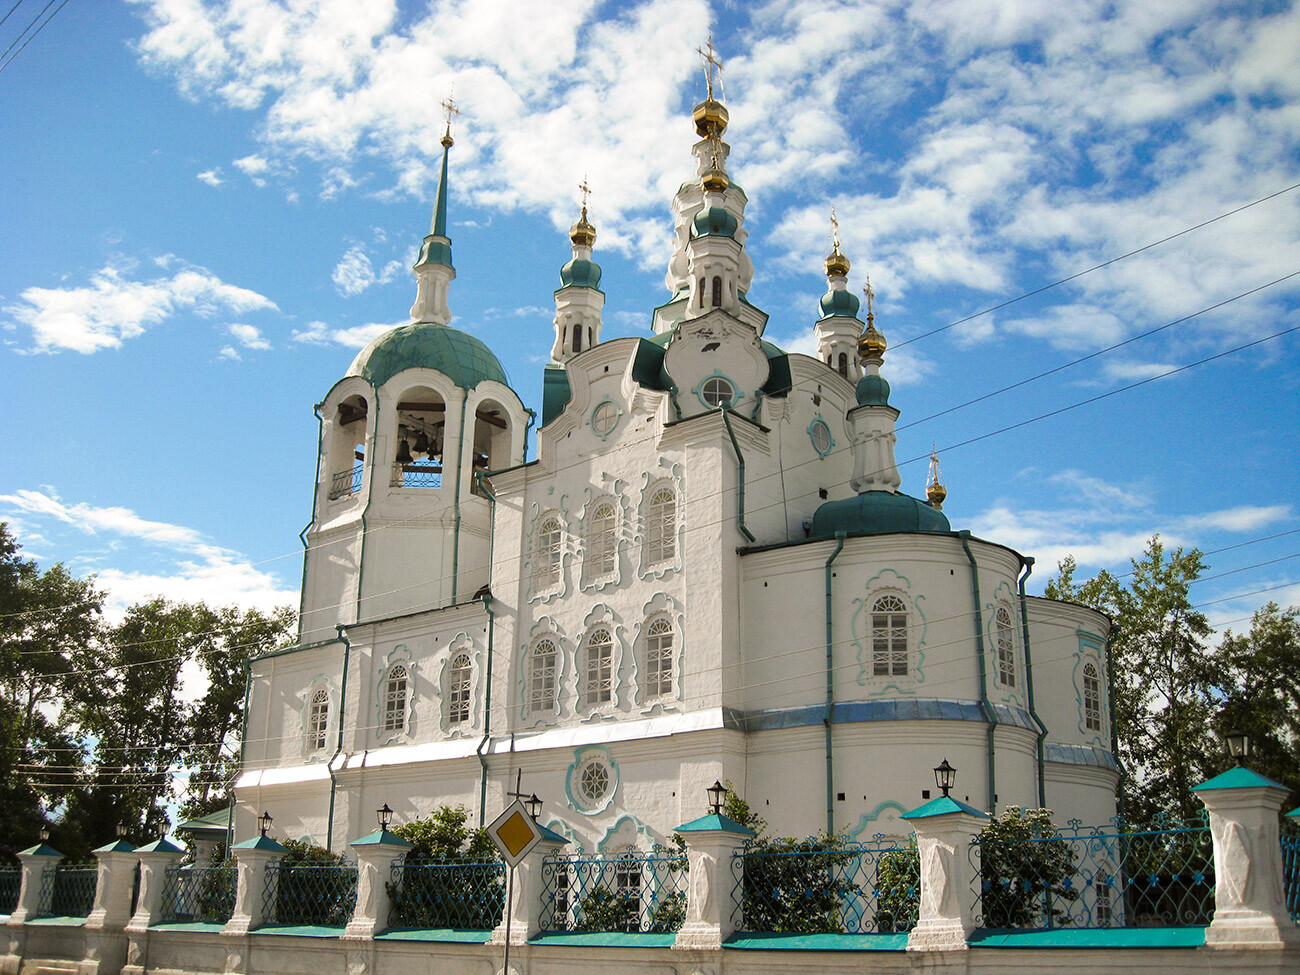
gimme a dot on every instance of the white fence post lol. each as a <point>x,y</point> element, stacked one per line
<point>376,855</point>
<point>1249,905</point>
<point>106,923</point>
<point>253,856</point>
<point>525,912</point>
<point>154,860</point>
<point>711,841</point>
<point>944,830</point>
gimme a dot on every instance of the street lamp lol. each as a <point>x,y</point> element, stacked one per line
<point>534,806</point>
<point>1238,746</point>
<point>162,830</point>
<point>122,831</point>
<point>44,833</point>
<point>264,821</point>
<point>717,792</point>
<point>945,776</point>
<point>385,817</point>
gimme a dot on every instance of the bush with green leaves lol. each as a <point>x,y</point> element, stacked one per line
<point>452,877</point>
<point>898,880</point>
<point>1027,871</point>
<point>314,886</point>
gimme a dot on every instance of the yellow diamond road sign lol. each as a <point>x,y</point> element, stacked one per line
<point>514,833</point>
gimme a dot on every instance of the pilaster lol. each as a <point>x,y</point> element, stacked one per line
<point>944,830</point>
<point>524,909</point>
<point>252,857</point>
<point>711,842</point>
<point>154,859</point>
<point>376,855</point>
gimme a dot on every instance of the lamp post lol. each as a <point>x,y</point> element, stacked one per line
<point>385,816</point>
<point>534,806</point>
<point>122,831</point>
<point>1238,746</point>
<point>264,821</point>
<point>162,830</point>
<point>945,776</point>
<point>717,792</point>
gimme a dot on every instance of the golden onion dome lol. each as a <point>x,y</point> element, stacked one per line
<point>715,180</point>
<point>447,140</point>
<point>837,265</point>
<point>872,344</point>
<point>710,118</point>
<point>935,494</point>
<point>582,233</point>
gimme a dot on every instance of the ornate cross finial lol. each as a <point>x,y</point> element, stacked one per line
<point>448,109</point>
<point>712,63</point>
<point>871,299</point>
<point>835,231</point>
<point>585,190</point>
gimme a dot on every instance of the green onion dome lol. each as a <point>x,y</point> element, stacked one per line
<point>715,222</point>
<point>462,358</point>
<point>873,391</point>
<point>580,273</point>
<point>840,304</point>
<point>877,513</point>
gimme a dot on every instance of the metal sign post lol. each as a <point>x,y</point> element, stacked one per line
<point>515,834</point>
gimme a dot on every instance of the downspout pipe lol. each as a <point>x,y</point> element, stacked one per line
<point>990,716</point>
<point>338,750</point>
<point>487,695</point>
<point>740,492</point>
<point>455,538</point>
<point>315,500</point>
<point>1029,684</point>
<point>829,719</point>
<point>528,425</point>
<point>372,459</point>
<point>1110,709</point>
<point>243,741</point>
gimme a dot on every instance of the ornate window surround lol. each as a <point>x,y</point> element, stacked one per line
<point>460,644</point>
<point>591,418</point>
<point>651,483</point>
<point>399,656</point>
<point>591,581</point>
<point>312,752</point>
<point>544,629</point>
<point>660,607</point>
<point>1011,663</point>
<point>601,616</point>
<point>892,583</point>
<point>1092,650</point>
<point>820,420</point>
<point>584,757</point>
<point>549,592</point>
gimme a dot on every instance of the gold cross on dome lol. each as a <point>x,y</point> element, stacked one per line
<point>712,63</point>
<point>835,231</point>
<point>586,192</point>
<point>871,296</point>
<point>449,109</point>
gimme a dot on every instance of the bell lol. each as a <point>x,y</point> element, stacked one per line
<point>404,452</point>
<point>421,445</point>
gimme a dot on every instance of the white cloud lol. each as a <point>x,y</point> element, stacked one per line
<point>113,308</point>
<point>1244,518</point>
<point>249,336</point>
<point>231,353</point>
<point>211,176</point>
<point>198,569</point>
<point>318,333</point>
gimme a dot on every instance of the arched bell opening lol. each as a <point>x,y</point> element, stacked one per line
<point>492,438</point>
<point>420,439</point>
<point>347,448</point>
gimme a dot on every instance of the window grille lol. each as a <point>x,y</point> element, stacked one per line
<point>458,690</point>
<point>889,637</point>
<point>661,527</point>
<point>659,658</point>
<point>318,716</point>
<point>1091,698</point>
<point>602,542</point>
<point>717,392</point>
<point>717,292</point>
<point>600,667</point>
<point>546,567</point>
<point>541,677</point>
<point>394,700</point>
<point>1006,648</point>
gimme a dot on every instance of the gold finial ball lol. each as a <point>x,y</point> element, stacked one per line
<point>872,345</point>
<point>935,493</point>
<point>582,233</point>
<point>710,118</point>
<point>837,265</point>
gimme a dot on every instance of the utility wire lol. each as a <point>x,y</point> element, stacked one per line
<point>33,37</point>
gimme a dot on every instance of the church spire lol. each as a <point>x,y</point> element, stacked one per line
<point>838,329</point>
<point>433,269</point>
<point>871,422</point>
<point>578,300</point>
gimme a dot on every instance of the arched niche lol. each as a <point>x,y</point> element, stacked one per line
<point>346,450</point>
<point>419,439</point>
<point>493,441</point>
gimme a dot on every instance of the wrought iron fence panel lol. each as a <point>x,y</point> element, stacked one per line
<point>199,894</point>
<point>1291,867</point>
<point>10,883</point>
<point>1114,876</point>
<point>821,886</point>
<point>418,474</point>
<point>630,891</point>
<point>324,895</point>
<point>346,483</point>
<point>68,890</point>
<point>465,894</point>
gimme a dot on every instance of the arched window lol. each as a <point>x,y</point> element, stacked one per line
<point>889,637</point>
<point>598,676</point>
<point>717,292</point>
<point>546,564</point>
<point>590,340</point>
<point>661,526</point>
<point>659,658</point>
<point>394,717</point>
<point>602,542</point>
<point>1006,648</point>
<point>627,890</point>
<point>542,666</point>
<point>318,720</point>
<point>1091,698</point>
<point>843,365</point>
<point>458,685</point>
<point>577,338</point>
<point>702,289</point>
<point>347,449</point>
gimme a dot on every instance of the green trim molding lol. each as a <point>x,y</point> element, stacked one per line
<point>766,941</point>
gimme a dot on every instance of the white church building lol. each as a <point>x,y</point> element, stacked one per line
<point>709,572</point>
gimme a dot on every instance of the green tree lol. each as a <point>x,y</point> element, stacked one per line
<point>452,878</point>
<point>1026,869</point>
<point>1162,675</point>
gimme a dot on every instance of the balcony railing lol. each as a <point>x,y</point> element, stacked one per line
<point>419,474</point>
<point>346,483</point>
<point>457,894</point>
<point>192,894</point>
<point>68,891</point>
<point>633,891</point>
<point>319,895</point>
<point>1113,876</point>
<point>827,886</point>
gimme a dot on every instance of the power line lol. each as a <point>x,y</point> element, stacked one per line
<point>34,33</point>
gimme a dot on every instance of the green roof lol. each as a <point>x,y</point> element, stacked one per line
<point>840,304</point>
<point>878,513</point>
<point>1239,778</point>
<point>461,357</point>
<point>580,273</point>
<point>218,820</point>
<point>555,392</point>
<point>942,806</point>
<point>715,222</point>
<point>714,821</point>
<point>873,391</point>
<point>382,837</point>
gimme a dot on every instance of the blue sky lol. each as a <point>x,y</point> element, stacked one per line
<point>208,209</point>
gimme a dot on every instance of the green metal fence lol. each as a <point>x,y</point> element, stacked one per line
<point>1291,867</point>
<point>318,895</point>
<point>199,894</point>
<point>10,883</point>
<point>632,891</point>
<point>68,890</point>
<point>460,894</point>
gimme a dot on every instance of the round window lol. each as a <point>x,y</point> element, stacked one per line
<point>593,782</point>
<point>821,437</point>
<point>604,417</point>
<point>717,392</point>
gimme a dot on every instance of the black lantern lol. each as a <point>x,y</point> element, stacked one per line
<point>385,817</point>
<point>122,831</point>
<point>264,821</point>
<point>716,792</point>
<point>1238,746</point>
<point>534,806</point>
<point>162,830</point>
<point>44,833</point>
<point>945,776</point>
